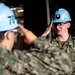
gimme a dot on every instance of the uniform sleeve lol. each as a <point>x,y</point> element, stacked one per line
<point>42,43</point>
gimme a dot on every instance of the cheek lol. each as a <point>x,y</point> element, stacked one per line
<point>12,39</point>
<point>64,28</point>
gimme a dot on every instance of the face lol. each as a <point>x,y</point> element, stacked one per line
<point>61,28</point>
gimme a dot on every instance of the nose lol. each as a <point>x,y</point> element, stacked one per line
<point>58,26</point>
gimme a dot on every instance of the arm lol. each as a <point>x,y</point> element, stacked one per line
<point>30,38</point>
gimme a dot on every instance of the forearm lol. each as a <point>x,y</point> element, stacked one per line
<point>42,43</point>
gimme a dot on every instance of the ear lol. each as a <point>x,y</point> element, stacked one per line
<point>7,36</point>
<point>68,25</point>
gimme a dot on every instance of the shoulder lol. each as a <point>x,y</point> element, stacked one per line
<point>72,40</point>
<point>73,37</point>
<point>17,53</point>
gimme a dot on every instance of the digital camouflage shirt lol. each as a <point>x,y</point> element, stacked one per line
<point>47,45</point>
<point>34,62</point>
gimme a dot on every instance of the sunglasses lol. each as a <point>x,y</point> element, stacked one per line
<point>60,23</point>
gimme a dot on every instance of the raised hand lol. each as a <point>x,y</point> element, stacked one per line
<point>28,35</point>
<point>47,29</point>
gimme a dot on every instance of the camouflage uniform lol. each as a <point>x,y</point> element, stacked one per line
<point>47,44</point>
<point>34,62</point>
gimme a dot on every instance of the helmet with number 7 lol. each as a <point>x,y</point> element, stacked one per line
<point>7,18</point>
<point>61,15</point>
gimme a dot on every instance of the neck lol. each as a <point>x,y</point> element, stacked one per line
<point>63,37</point>
<point>3,43</point>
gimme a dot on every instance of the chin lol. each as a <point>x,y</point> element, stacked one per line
<point>59,33</point>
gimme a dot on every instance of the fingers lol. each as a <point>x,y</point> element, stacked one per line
<point>24,30</point>
<point>50,25</point>
<point>48,29</point>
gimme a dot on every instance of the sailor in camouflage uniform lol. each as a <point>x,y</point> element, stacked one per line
<point>33,62</point>
<point>63,42</point>
<point>62,17</point>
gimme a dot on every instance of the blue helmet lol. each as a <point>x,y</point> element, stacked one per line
<point>7,18</point>
<point>61,15</point>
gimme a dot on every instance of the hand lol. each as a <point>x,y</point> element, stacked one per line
<point>28,35</point>
<point>47,30</point>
